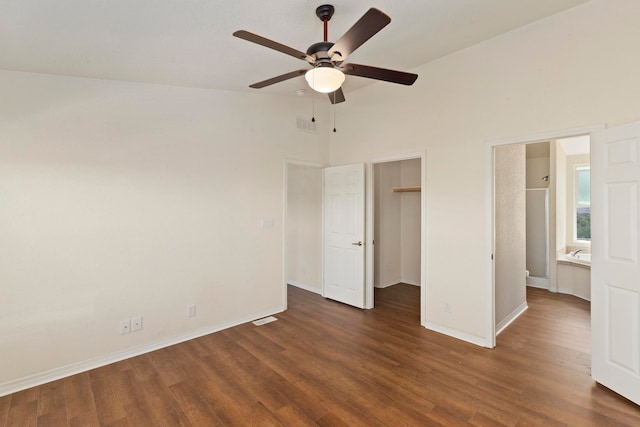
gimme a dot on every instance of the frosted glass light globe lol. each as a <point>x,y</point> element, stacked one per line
<point>324,79</point>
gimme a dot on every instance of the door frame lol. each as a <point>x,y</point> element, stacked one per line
<point>370,221</point>
<point>490,328</point>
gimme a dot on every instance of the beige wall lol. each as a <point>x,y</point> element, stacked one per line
<point>536,169</point>
<point>304,227</point>
<point>123,199</point>
<point>577,68</point>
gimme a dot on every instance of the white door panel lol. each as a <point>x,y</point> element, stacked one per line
<point>344,229</point>
<point>615,271</point>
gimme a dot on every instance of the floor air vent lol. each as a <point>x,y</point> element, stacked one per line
<point>264,321</point>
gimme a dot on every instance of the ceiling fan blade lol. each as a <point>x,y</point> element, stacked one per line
<point>336,97</point>
<point>254,38</point>
<point>278,79</point>
<point>379,74</point>
<point>370,23</point>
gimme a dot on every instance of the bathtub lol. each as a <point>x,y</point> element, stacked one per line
<point>574,275</point>
<point>579,258</point>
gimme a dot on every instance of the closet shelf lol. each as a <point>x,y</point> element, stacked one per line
<point>406,190</point>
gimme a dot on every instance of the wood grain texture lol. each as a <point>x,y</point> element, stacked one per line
<point>327,364</point>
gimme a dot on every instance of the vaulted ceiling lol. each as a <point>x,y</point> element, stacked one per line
<point>189,42</point>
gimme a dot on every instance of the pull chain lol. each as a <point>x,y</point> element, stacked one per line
<point>334,111</point>
<point>313,99</point>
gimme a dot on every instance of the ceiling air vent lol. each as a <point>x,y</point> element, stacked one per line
<point>306,125</point>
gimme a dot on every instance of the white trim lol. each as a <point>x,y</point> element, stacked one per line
<point>546,136</point>
<point>86,365</point>
<point>387,283</point>
<point>490,210</point>
<point>399,281</point>
<point>369,218</point>
<point>305,287</point>
<point>569,291</point>
<point>410,282</point>
<point>423,239</point>
<point>454,333</point>
<point>510,318</point>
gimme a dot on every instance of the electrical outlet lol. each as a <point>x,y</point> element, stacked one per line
<point>125,326</point>
<point>191,311</point>
<point>136,323</point>
<point>447,308</point>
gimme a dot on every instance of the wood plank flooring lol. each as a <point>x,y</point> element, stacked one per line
<point>326,364</point>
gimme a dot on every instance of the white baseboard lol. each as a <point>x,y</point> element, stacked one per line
<point>573,292</point>
<point>538,282</point>
<point>397,281</point>
<point>454,333</point>
<point>86,365</point>
<point>511,317</point>
<point>305,287</point>
<point>387,283</point>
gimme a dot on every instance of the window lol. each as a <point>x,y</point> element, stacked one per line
<point>583,203</point>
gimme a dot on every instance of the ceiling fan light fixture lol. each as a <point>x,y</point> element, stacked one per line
<point>324,79</point>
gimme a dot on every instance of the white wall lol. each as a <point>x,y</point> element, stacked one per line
<point>577,68</point>
<point>410,222</point>
<point>304,227</point>
<point>123,199</point>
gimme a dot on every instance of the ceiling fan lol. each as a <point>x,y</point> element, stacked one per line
<point>327,59</point>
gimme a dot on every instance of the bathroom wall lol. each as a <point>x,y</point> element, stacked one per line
<point>510,286</point>
<point>538,167</point>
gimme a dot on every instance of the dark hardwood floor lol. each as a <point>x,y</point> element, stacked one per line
<point>324,363</point>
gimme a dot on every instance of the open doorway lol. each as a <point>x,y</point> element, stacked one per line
<point>541,222</point>
<point>304,262</point>
<point>397,223</point>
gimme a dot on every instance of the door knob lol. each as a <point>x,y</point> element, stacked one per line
<point>359,243</point>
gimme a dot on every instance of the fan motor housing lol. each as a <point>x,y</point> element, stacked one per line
<point>320,49</point>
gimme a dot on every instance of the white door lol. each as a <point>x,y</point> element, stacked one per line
<point>615,269</point>
<point>344,234</point>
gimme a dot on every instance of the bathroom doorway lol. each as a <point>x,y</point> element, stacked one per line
<point>537,215</point>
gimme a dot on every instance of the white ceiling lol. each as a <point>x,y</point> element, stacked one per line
<point>189,42</point>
